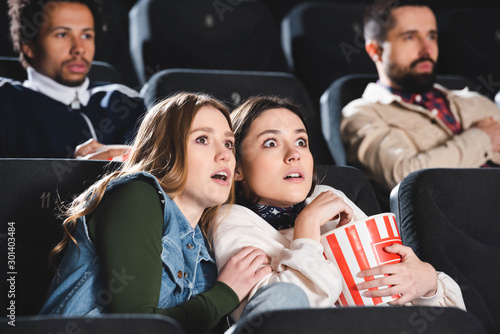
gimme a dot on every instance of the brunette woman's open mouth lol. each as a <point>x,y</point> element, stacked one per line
<point>294,175</point>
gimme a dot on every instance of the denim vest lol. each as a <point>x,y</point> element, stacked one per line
<point>188,266</point>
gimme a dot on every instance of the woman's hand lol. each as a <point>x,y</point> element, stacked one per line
<point>327,206</point>
<point>245,269</point>
<point>411,278</point>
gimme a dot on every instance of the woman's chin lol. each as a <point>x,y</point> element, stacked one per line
<point>291,199</point>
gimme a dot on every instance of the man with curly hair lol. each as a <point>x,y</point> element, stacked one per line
<point>57,108</point>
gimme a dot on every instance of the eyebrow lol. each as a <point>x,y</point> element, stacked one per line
<point>415,31</point>
<point>68,28</point>
<point>210,130</point>
<point>275,132</point>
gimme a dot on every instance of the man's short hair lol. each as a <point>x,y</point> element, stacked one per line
<point>378,18</point>
<point>27,16</point>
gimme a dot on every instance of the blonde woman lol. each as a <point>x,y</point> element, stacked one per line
<point>136,238</point>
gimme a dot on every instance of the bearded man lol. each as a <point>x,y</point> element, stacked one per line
<point>405,121</point>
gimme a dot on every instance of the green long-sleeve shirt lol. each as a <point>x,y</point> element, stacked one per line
<point>126,229</point>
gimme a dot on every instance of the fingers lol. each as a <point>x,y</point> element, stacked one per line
<point>262,272</point>
<point>390,269</point>
<point>378,282</point>
<point>107,152</point>
<point>483,122</point>
<point>386,286</point>
<point>487,120</point>
<point>325,207</point>
<point>345,212</point>
<point>411,278</point>
<point>382,292</point>
<point>345,216</point>
<point>387,269</point>
<point>249,258</point>
<point>245,269</point>
<point>87,147</point>
<point>104,155</point>
<point>90,144</point>
<point>397,248</point>
<point>333,206</point>
<point>401,300</point>
<point>388,290</point>
<point>255,260</point>
<point>245,251</point>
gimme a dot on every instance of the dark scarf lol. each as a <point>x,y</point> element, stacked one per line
<point>279,218</point>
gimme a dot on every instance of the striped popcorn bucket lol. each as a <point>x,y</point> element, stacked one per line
<point>358,246</point>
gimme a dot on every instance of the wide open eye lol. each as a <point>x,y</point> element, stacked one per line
<point>202,140</point>
<point>270,143</point>
<point>301,142</point>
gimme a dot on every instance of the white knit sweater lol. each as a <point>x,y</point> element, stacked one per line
<point>300,261</point>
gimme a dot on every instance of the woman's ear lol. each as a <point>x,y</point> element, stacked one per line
<point>238,173</point>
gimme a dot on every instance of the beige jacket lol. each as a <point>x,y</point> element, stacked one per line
<point>389,138</point>
<point>300,261</point>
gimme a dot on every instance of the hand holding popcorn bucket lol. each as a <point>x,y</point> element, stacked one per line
<point>359,246</point>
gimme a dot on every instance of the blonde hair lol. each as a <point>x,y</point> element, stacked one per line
<point>159,148</point>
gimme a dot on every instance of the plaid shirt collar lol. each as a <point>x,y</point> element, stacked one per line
<point>414,98</point>
<point>434,100</point>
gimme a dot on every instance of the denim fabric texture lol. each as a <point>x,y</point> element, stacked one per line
<point>188,265</point>
<point>268,299</point>
<point>273,297</point>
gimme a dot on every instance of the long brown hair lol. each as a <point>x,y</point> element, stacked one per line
<point>159,148</point>
<point>243,117</point>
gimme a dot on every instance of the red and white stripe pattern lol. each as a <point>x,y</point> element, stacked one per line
<point>359,246</point>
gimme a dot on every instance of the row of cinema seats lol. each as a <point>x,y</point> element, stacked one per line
<point>316,41</point>
<point>233,87</point>
<point>448,216</point>
<point>34,188</point>
<point>320,321</point>
<point>280,8</point>
<point>324,41</point>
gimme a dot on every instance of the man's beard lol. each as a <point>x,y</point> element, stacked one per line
<point>72,83</point>
<point>411,82</point>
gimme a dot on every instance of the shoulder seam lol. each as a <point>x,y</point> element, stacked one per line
<point>115,87</point>
<point>4,80</point>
